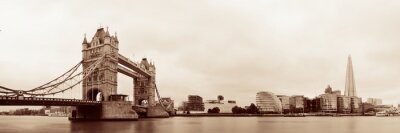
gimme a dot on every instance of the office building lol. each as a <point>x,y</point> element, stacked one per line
<point>297,103</point>
<point>285,103</point>
<point>194,103</point>
<point>328,103</point>
<point>267,102</point>
<point>356,104</point>
<point>350,88</point>
<point>344,104</point>
<point>374,101</point>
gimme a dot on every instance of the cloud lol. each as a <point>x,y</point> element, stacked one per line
<point>213,47</point>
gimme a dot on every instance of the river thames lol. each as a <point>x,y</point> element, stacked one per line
<point>43,124</point>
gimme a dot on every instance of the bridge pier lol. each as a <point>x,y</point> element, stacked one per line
<point>109,110</point>
<point>157,111</point>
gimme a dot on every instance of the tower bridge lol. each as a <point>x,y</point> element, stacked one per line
<point>101,62</point>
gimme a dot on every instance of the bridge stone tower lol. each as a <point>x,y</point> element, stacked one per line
<point>103,81</point>
<point>145,87</point>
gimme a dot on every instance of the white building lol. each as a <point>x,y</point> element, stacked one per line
<point>267,102</point>
<point>224,107</point>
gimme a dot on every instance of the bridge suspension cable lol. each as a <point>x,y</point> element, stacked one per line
<point>70,82</point>
<point>66,81</point>
<point>160,100</point>
<point>6,90</point>
<point>60,79</point>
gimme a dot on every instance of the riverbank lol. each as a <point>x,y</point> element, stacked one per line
<point>265,115</point>
<point>228,115</point>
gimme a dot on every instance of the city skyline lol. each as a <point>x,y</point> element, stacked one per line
<point>235,52</point>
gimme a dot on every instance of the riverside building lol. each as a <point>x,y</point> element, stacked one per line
<point>344,104</point>
<point>297,103</point>
<point>194,103</point>
<point>267,102</point>
<point>285,103</point>
<point>224,106</point>
<point>374,101</point>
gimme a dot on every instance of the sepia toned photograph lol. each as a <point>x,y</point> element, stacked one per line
<point>199,66</point>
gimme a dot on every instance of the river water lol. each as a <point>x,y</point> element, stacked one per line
<point>43,124</point>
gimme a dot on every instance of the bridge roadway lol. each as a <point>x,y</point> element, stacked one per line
<point>132,65</point>
<point>36,101</point>
<point>127,72</point>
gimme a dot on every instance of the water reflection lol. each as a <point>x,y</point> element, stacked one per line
<point>31,124</point>
<point>101,127</point>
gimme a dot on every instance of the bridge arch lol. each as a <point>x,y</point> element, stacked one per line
<point>95,94</point>
<point>143,102</point>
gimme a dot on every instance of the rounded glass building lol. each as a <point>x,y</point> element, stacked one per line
<point>267,102</point>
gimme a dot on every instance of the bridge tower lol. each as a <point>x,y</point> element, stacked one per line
<point>103,82</point>
<point>145,91</point>
<point>145,87</point>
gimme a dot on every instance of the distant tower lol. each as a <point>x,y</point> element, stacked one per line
<point>350,89</point>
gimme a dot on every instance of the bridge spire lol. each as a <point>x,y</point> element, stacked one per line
<point>84,40</point>
<point>116,38</point>
<point>107,33</point>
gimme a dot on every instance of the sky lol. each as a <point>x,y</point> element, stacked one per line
<point>232,48</point>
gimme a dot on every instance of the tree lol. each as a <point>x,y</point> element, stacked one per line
<point>238,110</point>
<point>235,110</point>
<point>220,98</point>
<point>214,110</point>
<point>187,112</point>
<point>252,109</point>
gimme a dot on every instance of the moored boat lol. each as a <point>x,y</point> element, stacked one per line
<point>381,114</point>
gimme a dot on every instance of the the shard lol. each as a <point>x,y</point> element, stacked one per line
<point>350,89</point>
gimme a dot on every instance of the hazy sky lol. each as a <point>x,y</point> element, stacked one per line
<point>228,47</point>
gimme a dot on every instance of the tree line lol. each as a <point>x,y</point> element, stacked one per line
<point>252,109</point>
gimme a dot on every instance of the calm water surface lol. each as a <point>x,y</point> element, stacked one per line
<point>42,124</point>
